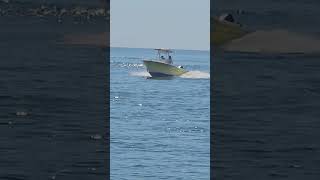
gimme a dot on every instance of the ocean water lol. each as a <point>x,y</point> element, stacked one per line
<point>266,120</point>
<point>159,128</point>
<point>52,102</point>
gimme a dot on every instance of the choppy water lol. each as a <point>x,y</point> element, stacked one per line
<point>159,128</point>
<point>51,125</point>
<point>266,117</point>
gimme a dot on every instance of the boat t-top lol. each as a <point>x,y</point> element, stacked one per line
<point>163,66</point>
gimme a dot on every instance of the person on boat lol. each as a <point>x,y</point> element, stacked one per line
<point>162,57</point>
<point>170,60</point>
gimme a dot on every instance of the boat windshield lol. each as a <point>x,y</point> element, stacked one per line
<point>164,55</point>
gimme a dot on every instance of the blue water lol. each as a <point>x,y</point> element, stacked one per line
<point>52,102</point>
<point>160,129</point>
<point>266,118</point>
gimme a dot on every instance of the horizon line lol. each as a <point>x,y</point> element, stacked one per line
<point>158,47</point>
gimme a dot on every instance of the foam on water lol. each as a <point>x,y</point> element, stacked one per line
<point>275,41</point>
<point>127,65</point>
<point>155,120</point>
<point>188,75</point>
<point>140,74</point>
<point>196,75</point>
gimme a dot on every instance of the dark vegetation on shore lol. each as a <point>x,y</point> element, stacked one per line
<point>83,12</point>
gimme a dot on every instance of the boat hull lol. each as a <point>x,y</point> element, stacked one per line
<point>160,69</point>
<point>224,32</point>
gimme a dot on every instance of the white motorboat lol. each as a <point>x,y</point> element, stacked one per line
<point>163,65</point>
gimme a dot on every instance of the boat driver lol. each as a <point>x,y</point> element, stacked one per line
<point>170,60</point>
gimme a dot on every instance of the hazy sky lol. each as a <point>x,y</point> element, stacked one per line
<point>176,24</point>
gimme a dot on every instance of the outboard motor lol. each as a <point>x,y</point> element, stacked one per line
<point>226,17</point>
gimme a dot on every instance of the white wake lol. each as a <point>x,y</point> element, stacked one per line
<point>140,74</point>
<point>188,75</point>
<point>275,41</point>
<point>196,75</point>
